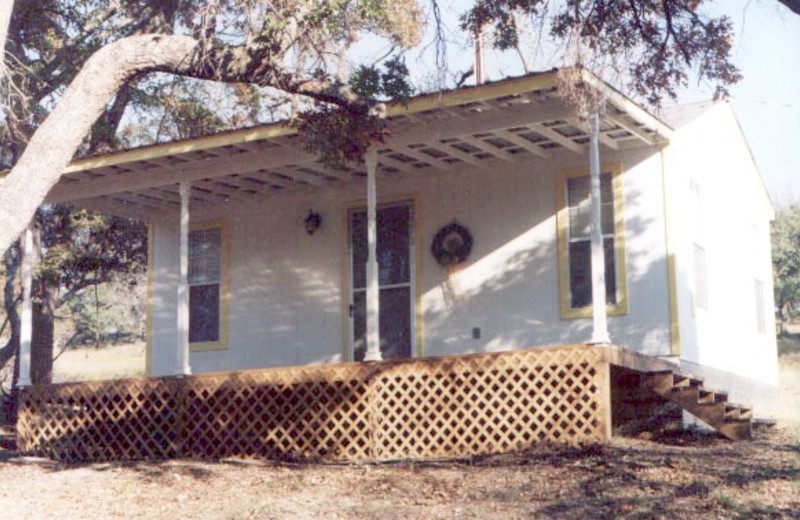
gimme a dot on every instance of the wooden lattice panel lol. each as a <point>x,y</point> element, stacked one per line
<point>307,413</point>
<point>428,408</point>
<point>118,420</point>
<point>489,403</point>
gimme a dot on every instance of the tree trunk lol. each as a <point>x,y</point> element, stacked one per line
<point>11,261</point>
<point>53,145</point>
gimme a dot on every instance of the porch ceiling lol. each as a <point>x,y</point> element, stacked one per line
<point>510,121</point>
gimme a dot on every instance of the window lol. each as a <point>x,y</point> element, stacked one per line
<point>761,316</point>
<point>206,288</point>
<point>700,275</point>
<point>574,233</point>
<point>700,279</point>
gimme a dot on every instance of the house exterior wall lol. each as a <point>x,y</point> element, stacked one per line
<point>289,293</point>
<point>719,204</point>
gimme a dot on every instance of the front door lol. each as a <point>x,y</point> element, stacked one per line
<point>395,277</point>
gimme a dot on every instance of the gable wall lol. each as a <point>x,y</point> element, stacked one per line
<point>288,299</point>
<point>731,223</point>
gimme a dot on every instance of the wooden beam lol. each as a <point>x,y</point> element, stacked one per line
<point>603,138</point>
<point>449,149</point>
<point>559,139</point>
<point>385,159</point>
<point>492,150</point>
<point>625,104</point>
<point>521,141</point>
<point>631,128</point>
<point>182,355</point>
<point>373,292</point>
<point>421,156</point>
<point>286,155</point>
<point>26,317</point>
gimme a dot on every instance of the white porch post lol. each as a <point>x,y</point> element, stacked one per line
<point>373,295</point>
<point>26,320</point>
<point>183,367</point>
<point>600,329</point>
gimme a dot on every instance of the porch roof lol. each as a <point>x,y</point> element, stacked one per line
<point>511,120</point>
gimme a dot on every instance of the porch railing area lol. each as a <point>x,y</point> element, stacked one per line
<point>453,406</point>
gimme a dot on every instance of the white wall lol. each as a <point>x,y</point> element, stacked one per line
<point>287,287</point>
<point>731,223</point>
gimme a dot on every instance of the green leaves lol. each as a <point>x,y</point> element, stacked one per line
<point>653,45</point>
<point>786,261</point>
<point>342,134</point>
<point>338,135</point>
<point>389,84</point>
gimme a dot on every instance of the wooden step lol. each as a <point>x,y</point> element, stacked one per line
<point>8,439</point>
<point>736,429</point>
<point>680,381</point>
<point>659,382</point>
<point>711,406</point>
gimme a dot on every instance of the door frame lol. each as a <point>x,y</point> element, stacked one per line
<point>415,263</point>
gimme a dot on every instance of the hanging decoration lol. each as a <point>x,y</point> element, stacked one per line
<point>451,245</point>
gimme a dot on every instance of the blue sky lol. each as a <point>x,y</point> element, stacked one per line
<point>767,100</point>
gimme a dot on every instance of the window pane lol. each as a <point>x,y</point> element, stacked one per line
<point>700,282</point>
<point>580,271</point>
<point>393,245</point>
<point>358,231</point>
<point>761,317</point>
<point>359,325</point>
<point>392,248</point>
<point>204,256</point>
<point>580,208</point>
<point>204,313</point>
<point>395,323</point>
<point>580,215</point>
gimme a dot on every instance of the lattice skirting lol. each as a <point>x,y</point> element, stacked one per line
<point>452,406</point>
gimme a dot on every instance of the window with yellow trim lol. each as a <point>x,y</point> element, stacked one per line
<point>205,285</point>
<point>575,221</point>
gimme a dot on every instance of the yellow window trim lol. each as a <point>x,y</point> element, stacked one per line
<point>413,200</point>
<point>562,222</point>
<point>224,296</point>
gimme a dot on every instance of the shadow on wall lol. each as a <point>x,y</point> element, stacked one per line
<point>509,289</point>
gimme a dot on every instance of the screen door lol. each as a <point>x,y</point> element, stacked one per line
<point>395,281</point>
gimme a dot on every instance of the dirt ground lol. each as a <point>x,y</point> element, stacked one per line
<point>679,476</point>
<point>696,478</point>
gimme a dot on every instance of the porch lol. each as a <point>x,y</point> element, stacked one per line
<point>444,407</point>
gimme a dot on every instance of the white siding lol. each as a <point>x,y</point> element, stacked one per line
<point>287,293</point>
<point>733,223</point>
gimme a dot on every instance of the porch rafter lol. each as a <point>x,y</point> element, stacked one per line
<point>492,119</point>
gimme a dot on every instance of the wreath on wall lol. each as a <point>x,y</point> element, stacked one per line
<point>451,245</point>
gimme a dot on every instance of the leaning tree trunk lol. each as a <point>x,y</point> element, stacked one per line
<point>55,142</point>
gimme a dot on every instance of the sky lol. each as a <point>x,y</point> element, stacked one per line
<point>767,100</point>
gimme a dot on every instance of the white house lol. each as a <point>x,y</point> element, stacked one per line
<point>499,173</point>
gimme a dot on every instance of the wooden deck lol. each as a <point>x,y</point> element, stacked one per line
<point>428,408</point>
<point>432,408</point>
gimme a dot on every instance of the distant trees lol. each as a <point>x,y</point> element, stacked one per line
<point>75,250</point>
<point>786,263</point>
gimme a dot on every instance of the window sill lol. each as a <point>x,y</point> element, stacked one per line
<point>208,346</point>
<point>620,309</point>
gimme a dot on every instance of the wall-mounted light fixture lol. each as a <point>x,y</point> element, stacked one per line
<point>313,221</point>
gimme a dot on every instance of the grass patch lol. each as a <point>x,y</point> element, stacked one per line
<point>788,346</point>
<point>725,501</point>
